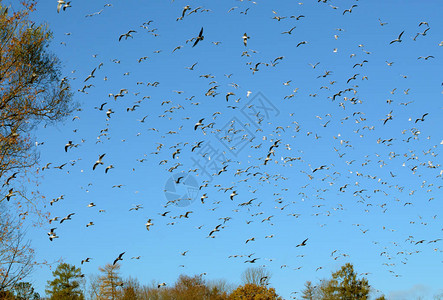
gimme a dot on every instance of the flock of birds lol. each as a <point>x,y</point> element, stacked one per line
<point>271,148</point>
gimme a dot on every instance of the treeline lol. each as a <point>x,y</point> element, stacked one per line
<point>68,283</point>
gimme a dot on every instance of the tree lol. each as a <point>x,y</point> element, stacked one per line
<point>131,289</point>
<point>257,276</point>
<point>110,282</point>
<point>94,287</point>
<point>222,286</point>
<point>31,90</point>
<point>344,285</point>
<point>66,283</point>
<point>16,256</point>
<point>309,291</point>
<point>253,292</point>
<point>195,287</point>
<point>7,295</point>
<point>25,291</point>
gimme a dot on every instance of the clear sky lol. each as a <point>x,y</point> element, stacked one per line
<point>377,194</point>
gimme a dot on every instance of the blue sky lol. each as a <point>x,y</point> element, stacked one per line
<point>374,222</point>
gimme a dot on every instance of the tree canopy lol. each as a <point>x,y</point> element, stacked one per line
<point>251,291</point>
<point>66,284</point>
<point>343,285</point>
<point>31,87</point>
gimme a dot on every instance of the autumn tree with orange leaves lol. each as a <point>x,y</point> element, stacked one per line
<point>32,92</point>
<point>252,291</point>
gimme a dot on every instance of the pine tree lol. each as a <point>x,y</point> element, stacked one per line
<point>66,283</point>
<point>25,291</point>
<point>309,291</point>
<point>110,282</point>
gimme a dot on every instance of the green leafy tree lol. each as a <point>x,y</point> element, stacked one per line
<point>66,284</point>
<point>345,285</point>
<point>253,292</point>
<point>7,295</point>
<point>25,291</point>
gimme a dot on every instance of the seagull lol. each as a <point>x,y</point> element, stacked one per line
<point>109,168</point>
<point>68,4</point>
<point>199,38</point>
<point>388,117</point>
<point>199,123</point>
<point>186,215</point>
<point>426,57</point>
<point>90,75</point>
<point>202,199</point>
<point>245,39</point>
<point>148,224</point>
<point>250,240</point>
<point>99,161</point>
<point>136,207</point>
<point>319,168</point>
<point>350,9</point>
<point>9,179</point>
<point>302,243</point>
<point>88,259</point>
<point>10,194</point>
<point>381,23</point>
<point>198,145</point>
<point>109,112</point>
<point>52,235</point>
<point>233,194</point>
<point>51,232</point>
<point>192,67</point>
<point>60,3</point>
<point>120,257</point>
<point>68,217</point>
<point>289,31</point>
<point>126,35</point>
<point>229,94</point>
<point>422,118</point>
<point>68,145</point>
<point>397,39</point>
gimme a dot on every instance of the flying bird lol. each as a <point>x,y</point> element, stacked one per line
<point>60,3</point>
<point>126,35</point>
<point>99,161</point>
<point>149,224</point>
<point>120,257</point>
<point>68,217</point>
<point>199,38</point>
<point>199,123</point>
<point>398,39</point>
<point>422,118</point>
<point>245,39</point>
<point>302,243</point>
